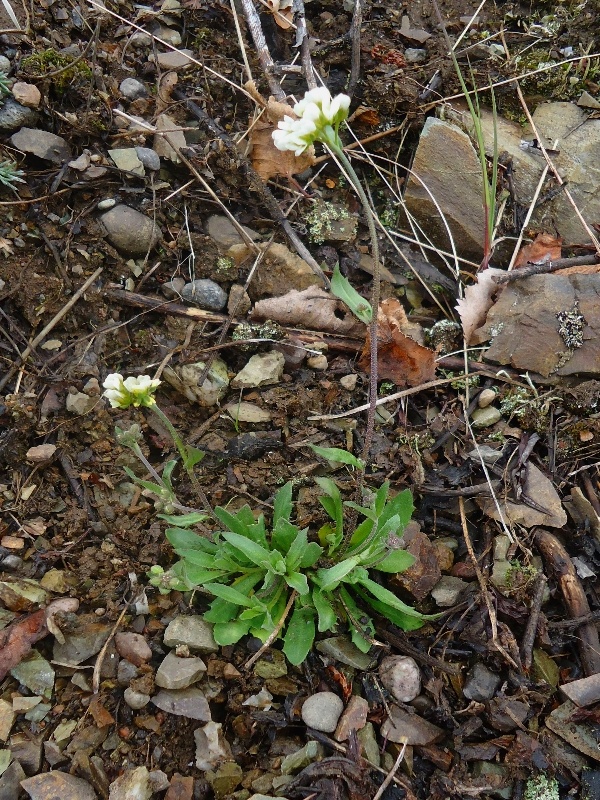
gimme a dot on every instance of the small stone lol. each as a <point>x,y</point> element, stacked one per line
<point>317,362</point>
<point>401,726</point>
<point>133,647</point>
<point>401,676</point>
<point>481,684</point>
<point>205,293</point>
<point>186,380</point>
<point>126,672</point>
<point>56,784</point>
<point>448,590</point>
<point>414,55</point>
<point>13,116</point>
<point>272,666</point>
<point>134,784</point>
<point>211,746</point>
<point>167,148</point>
<point>190,703</point>
<point>180,788</point>
<point>5,65</point>
<point>506,714</point>
<point>41,454</point>
<point>192,631</point>
<point>263,369</point>
<point>368,744</point>
<point>172,289</point>
<point>226,779</point>
<point>26,94</point>
<point>39,143</point>
<point>342,649</point>
<point>126,159</point>
<point>311,752</point>
<point>224,233</point>
<point>36,674</point>
<point>348,382</point>
<point>135,700</point>
<point>353,719</point>
<point>130,231</point>
<point>105,205</point>
<point>79,403</point>
<point>179,673</point>
<point>149,158</point>
<point>7,718</point>
<point>85,643</point>
<point>243,411</point>
<point>486,398</point>
<point>176,60</point>
<point>322,711</point>
<point>485,417</point>
<point>133,89</point>
<point>239,302</point>
<point>168,35</point>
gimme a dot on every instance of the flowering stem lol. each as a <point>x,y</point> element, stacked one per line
<point>345,162</point>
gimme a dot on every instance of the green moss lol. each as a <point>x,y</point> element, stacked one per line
<point>48,61</point>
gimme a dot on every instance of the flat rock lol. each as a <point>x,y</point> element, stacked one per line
<point>481,684</point>
<point>211,746</point>
<point>167,147</point>
<point>7,718</point>
<point>224,233</point>
<point>133,647</point>
<point>127,160</point>
<point>526,327</point>
<point>58,785</point>
<point>85,643</point>
<point>10,781</point>
<point>80,403</point>
<point>539,488</point>
<point>294,762</point>
<point>133,784</point>
<point>402,726</point>
<point>192,631</point>
<point>354,718</point>
<point>149,158</point>
<point>179,673</point>
<point>445,160</point>
<point>190,703</point>
<point>130,231</point>
<point>13,116</point>
<point>39,143</point>
<point>133,89</point>
<point>280,271</point>
<point>343,649</point>
<point>175,60</point>
<point>448,590</point>
<point>263,369</point>
<point>180,788</point>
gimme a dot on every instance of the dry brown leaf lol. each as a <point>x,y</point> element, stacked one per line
<point>544,248</point>
<point>366,115</point>
<point>167,84</point>
<point>478,299</point>
<point>584,269</point>
<point>267,160</point>
<point>311,308</point>
<point>282,12</point>
<point>399,358</point>
<point>100,714</point>
<point>17,639</point>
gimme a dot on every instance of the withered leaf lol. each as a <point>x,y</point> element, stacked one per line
<point>311,308</point>
<point>544,248</point>
<point>267,160</point>
<point>478,299</point>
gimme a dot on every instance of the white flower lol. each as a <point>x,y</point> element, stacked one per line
<point>319,116</point>
<point>130,392</point>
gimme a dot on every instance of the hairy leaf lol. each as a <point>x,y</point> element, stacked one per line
<point>299,636</point>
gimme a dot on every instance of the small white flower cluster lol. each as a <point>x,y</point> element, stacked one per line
<point>130,392</point>
<point>318,117</point>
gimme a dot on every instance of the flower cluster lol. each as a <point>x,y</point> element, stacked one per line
<point>319,116</point>
<point>130,392</point>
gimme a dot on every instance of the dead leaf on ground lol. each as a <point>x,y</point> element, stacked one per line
<point>544,248</point>
<point>282,12</point>
<point>478,299</point>
<point>267,160</point>
<point>311,308</point>
<point>365,115</point>
<point>400,357</point>
<point>166,86</point>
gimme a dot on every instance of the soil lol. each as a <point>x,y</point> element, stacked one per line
<point>79,515</point>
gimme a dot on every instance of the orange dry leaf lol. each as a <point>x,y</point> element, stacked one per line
<point>544,248</point>
<point>400,358</point>
<point>267,160</point>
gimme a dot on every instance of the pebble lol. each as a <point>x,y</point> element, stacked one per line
<point>401,676</point>
<point>130,231</point>
<point>342,649</point>
<point>133,89</point>
<point>190,703</point>
<point>41,454</point>
<point>168,35</point>
<point>172,289</point>
<point>133,647</point>
<point>133,783</point>
<point>135,700</point>
<point>481,684</point>
<point>80,403</point>
<point>224,233</point>
<point>41,144</point>
<point>56,784</point>
<point>369,745</point>
<point>205,294</point>
<point>179,673</point>
<point>263,369</point>
<point>84,644</point>
<point>126,159</point>
<point>180,788</point>
<point>415,55</point>
<point>13,116</point>
<point>485,417</point>
<point>149,158</point>
<point>486,398</point>
<point>317,362</point>
<point>322,711</point>
<point>239,302</point>
<point>226,779</point>
<point>26,94</point>
<point>354,718</point>
<point>348,382</point>
<point>126,672</point>
<point>192,631</point>
<point>5,64</point>
<point>211,746</point>
<point>402,726</point>
<point>104,205</point>
<point>7,718</point>
<point>176,60</point>
<point>506,714</point>
<point>448,590</point>
<point>311,752</point>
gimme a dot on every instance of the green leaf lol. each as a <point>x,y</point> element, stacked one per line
<point>192,457</point>
<point>243,523</point>
<point>197,557</point>
<point>403,621</point>
<point>283,535</point>
<point>282,507</point>
<point>198,575</point>
<point>254,552</point>
<point>230,632</point>
<point>391,600</point>
<point>183,520</point>
<point>168,471</point>
<point>365,622</point>
<point>332,503</point>
<point>328,579</point>
<point>311,555</point>
<point>298,581</point>
<point>396,561</point>
<point>188,540</point>
<point>325,611</point>
<point>296,551</point>
<point>221,611</point>
<point>342,288</point>
<point>299,636</point>
<point>339,456</point>
<point>229,593</point>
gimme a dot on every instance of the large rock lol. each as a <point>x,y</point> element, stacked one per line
<point>130,231</point>
<point>50,785</point>
<point>42,144</point>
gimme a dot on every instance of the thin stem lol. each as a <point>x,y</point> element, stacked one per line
<point>374,298</point>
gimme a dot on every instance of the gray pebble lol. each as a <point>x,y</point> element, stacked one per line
<point>136,700</point>
<point>39,143</point>
<point>149,158</point>
<point>133,89</point>
<point>206,294</point>
<point>322,711</point>
<point>14,116</point>
<point>415,55</point>
<point>172,289</point>
<point>130,231</point>
<point>5,64</point>
<point>104,205</point>
<point>481,684</point>
<point>401,677</point>
<point>485,417</point>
